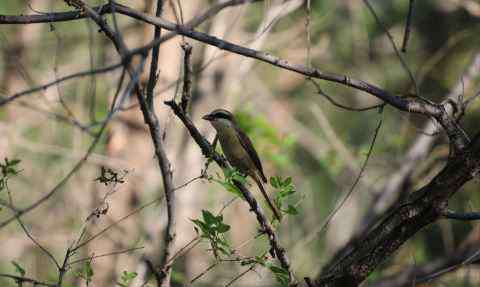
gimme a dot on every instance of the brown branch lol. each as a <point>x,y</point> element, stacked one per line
<point>152,122</point>
<point>395,187</point>
<point>408,25</point>
<point>410,105</point>
<point>187,77</point>
<point>467,216</point>
<point>4,101</point>
<point>462,257</point>
<point>209,152</point>
<point>457,136</point>
<point>115,103</point>
<point>420,209</point>
<point>20,280</point>
<point>152,80</point>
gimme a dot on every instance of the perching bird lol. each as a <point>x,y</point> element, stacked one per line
<point>239,150</point>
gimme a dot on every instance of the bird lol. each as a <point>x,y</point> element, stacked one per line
<point>239,151</point>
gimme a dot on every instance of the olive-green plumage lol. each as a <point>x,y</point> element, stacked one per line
<point>239,150</point>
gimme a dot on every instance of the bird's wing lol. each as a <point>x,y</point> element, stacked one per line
<point>248,146</point>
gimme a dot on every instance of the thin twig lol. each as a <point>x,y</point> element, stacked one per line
<point>357,179</point>
<point>93,237</point>
<point>104,255</point>
<point>153,78</point>
<point>467,216</point>
<point>252,267</point>
<point>335,103</point>
<point>187,77</point>
<point>408,25</point>
<point>397,52</point>
<point>20,279</point>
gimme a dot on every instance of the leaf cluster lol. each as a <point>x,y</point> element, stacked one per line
<point>8,168</point>
<point>285,189</point>
<point>231,175</point>
<point>213,228</point>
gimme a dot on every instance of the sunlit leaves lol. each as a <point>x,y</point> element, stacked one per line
<point>19,269</point>
<point>213,229</point>
<point>127,278</point>
<point>87,272</point>
<point>285,189</point>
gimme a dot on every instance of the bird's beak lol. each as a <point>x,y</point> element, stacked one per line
<point>207,117</point>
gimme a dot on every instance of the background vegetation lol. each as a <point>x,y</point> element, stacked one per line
<point>298,132</point>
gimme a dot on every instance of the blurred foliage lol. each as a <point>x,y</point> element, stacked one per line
<point>345,39</point>
<point>274,147</point>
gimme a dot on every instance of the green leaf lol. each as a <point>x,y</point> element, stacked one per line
<point>18,268</point>
<point>88,270</point>
<point>208,217</point>
<point>204,227</point>
<point>288,181</point>
<point>230,187</point>
<point>239,177</point>
<point>127,277</point>
<point>275,181</point>
<point>287,191</point>
<point>225,251</point>
<point>281,274</point>
<point>222,228</point>
<point>14,161</point>
<point>291,210</point>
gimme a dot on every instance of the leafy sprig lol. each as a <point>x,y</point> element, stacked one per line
<point>285,189</point>
<point>213,228</point>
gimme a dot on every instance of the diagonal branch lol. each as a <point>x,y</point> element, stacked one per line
<point>209,152</point>
<point>420,209</point>
<point>456,134</point>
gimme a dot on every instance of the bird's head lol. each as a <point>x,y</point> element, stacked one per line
<point>220,118</point>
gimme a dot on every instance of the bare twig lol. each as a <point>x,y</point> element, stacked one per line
<point>4,101</point>
<point>252,267</point>
<point>397,52</point>
<point>79,164</point>
<point>187,77</point>
<point>105,255</point>
<point>335,103</point>
<point>20,280</point>
<point>467,216</point>
<point>357,180</point>
<point>408,26</point>
<point>152,80</point>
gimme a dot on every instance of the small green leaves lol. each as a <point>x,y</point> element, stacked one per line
<point>281,274</point>
<point>230,176</point>
<point>213,228</point>
<point>8,168</point>
<point>285,189</point>
<point>127,278</point>
<point>18,268</point>
<point>291,210</point>
<point>87,272</point>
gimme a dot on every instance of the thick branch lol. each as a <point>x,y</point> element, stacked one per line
<point>421,208</point>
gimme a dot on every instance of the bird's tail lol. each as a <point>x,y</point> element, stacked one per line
<point>277,214</point>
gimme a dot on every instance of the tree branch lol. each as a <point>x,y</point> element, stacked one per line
<point>209,152</point>
<point>420,209</point>
<point>467,216</point>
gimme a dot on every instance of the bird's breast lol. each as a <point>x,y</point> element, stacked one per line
<point>236,155</point>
